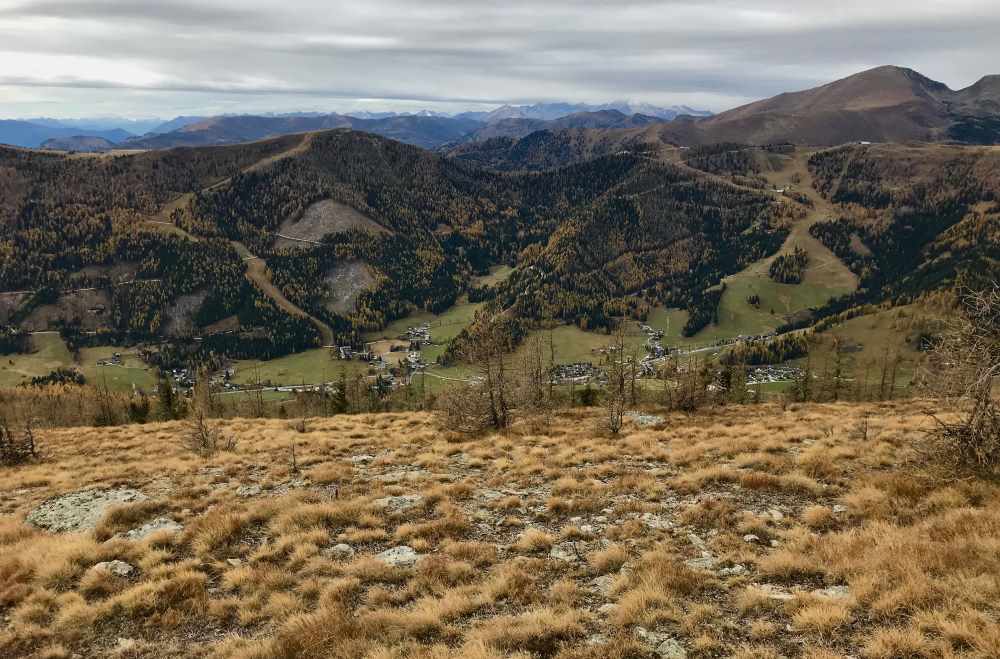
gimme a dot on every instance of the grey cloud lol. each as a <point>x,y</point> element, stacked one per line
<point>715,53</point>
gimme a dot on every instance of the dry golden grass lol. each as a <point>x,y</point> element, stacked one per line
<point>737,532</point>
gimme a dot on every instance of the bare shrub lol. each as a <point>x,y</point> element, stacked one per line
<point>616,396</point>
<point>204,438</point>
<point>963,366</point>
<point>17,447</point>
<point>485,402</point>
<point>465,408</point>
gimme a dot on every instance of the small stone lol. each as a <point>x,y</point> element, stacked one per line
<point>750,537</point>
<point>734,571</point>
<point>776,514</point>
<point>603,584</point>
<point>399,503</point>
<point>671,649</point>
<point>834,592</point>
<point>838,509</point>
<point>340,552</point>
<point>657,522</point>
<point>663,645</point>
<point>697,542</point>
<point>154,526</point>
<point>775,543</point>
<point>116,567</point>
<point>706,562</point>
<point>247,491</point>
<point>402,556</point>
<point>234,562</point>
<point>587,529</point>
<point>362,459</point>
<point>607,609</point>
<point>775,592</point>
<point>563,552</point>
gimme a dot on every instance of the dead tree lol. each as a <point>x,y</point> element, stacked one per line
<point>486,401</point>
<point>17,448</point>
<point>616,395</point>
<point>962,369</point>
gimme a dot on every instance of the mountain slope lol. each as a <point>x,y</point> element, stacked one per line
<point>667,233</point>
<point>886,104</point>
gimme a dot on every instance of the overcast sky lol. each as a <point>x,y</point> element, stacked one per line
<point>69,58</point>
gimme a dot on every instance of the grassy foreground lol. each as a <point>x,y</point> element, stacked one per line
<point>807,531</point>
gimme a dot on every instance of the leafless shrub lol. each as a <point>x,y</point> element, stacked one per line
<point>962,368</point>
<point>465,408</point>
<point>17,448</point>
<point>202,437</point>
<point>616,396</point>
<point>485,402</point>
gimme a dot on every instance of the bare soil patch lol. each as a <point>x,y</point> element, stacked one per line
<point>347,281</point>
<point>321,219</point>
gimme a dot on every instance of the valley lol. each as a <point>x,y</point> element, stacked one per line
<point>554,380</point>
<point>784,178</point>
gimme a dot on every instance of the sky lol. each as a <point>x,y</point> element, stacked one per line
<point>161,58</point>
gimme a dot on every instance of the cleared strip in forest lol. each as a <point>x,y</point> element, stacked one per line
<point>256,266</point>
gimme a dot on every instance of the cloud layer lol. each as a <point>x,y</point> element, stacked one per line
<point>72,58</point>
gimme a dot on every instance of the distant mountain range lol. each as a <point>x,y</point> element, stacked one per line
<point>550,111</point>
<point>885,104</point>
<point>425,128</point>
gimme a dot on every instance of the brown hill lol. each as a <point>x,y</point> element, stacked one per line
<point>886,104</point>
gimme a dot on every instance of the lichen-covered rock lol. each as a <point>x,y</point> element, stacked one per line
<point>339,552</point>
<point>399,503</point>
<point>247,491</point>
<point>663,645</point>
<point>154,526</point>
<point>80,511</point>
<point>564,552</point>
<point>116,567</point>
<point>402,556</point>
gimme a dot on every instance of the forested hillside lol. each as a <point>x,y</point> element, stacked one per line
<point>912,218</point>
<point>170,234</point>
<point>608,234</point>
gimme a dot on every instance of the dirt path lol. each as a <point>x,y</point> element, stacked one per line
<point>256,267</point>
<point>257,273</point>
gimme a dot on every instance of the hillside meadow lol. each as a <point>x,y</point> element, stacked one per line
<point>813,530</point>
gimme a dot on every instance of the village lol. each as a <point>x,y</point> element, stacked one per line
<point>393,363</point>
